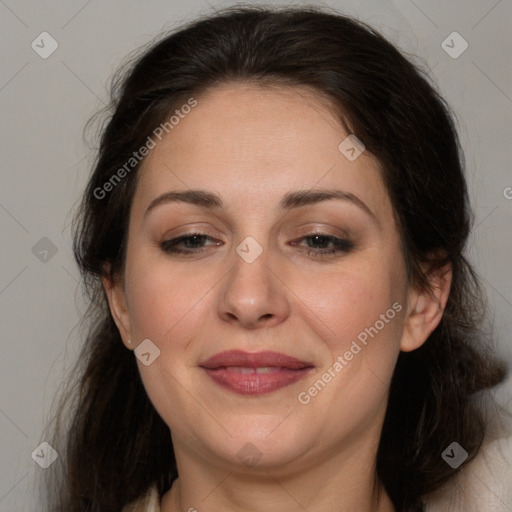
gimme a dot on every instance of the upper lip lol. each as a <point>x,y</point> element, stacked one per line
<point>254,360</point>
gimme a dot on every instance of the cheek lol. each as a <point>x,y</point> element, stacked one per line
<point>359,317</point>
<point>353,299</point>
<point>165,307</point>
<point>159,297</point>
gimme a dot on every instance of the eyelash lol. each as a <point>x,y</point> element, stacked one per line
<point>341,245</point>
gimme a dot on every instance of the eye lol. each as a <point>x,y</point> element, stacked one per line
<point>192,243</point>
<point>339,245</point>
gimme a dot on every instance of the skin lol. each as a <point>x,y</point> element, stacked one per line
<point>251,145</point>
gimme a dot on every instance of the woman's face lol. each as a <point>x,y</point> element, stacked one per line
<point>256,280</point>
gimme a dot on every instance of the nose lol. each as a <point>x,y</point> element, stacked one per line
<point>253,295</point>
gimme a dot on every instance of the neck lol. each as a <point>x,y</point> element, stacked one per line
<point>341,483</point>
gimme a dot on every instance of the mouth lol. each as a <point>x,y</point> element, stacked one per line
<point>255,373</point>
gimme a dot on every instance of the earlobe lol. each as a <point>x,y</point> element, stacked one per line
<point>426,308</point>
<point>117,305</point>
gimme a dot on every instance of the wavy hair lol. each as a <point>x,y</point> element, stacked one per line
<point>114,443</point>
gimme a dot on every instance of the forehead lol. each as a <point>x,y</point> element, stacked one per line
<point>246,121</point>
<point>252,144</point>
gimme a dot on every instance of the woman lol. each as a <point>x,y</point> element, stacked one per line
<point>283,317</point>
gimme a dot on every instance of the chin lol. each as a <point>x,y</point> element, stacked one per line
<point>257,443</point>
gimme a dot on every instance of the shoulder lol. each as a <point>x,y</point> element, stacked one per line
<point>483,484</point>
<point>150,502</point>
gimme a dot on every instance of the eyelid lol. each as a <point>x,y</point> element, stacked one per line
<point>341,246</point>
<point>308,229</point>
<point>176,233</point>
<point>321,229</point>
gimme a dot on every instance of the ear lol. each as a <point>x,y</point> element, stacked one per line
<point>425,309</point>
<point>114,291</point>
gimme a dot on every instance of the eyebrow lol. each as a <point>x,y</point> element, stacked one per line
<point>291,200</point>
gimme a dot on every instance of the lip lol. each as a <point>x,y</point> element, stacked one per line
<point>236,370</point>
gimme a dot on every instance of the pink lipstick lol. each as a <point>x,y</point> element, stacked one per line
<point>255,373</point>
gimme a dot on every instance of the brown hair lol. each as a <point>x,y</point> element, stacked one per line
<point>116,445</point>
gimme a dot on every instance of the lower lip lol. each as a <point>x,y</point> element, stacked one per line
<point>256,383</point>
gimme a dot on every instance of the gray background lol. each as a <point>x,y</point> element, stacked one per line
<point>45,104</point>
